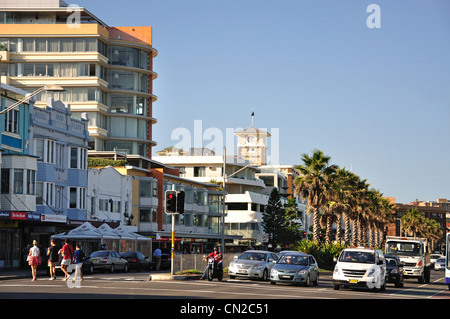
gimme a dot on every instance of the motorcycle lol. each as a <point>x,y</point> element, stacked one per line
<point>215,269</point>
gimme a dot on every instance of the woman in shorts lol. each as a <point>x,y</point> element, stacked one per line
<point>34,259</point>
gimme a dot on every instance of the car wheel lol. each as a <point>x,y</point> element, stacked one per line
<point>307,282</point>
<point>335,286</point>
<point>316,282</point>
<point>265,276</point>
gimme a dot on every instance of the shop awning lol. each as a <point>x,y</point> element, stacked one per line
<point>84,231</point>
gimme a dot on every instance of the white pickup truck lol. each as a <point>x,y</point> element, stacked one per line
<point>363,267</point>
<point>413,253</point>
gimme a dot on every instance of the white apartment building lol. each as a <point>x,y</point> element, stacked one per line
<point>247,194</point>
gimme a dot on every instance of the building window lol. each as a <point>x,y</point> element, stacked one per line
<point>45,194</point>
<point>145,215</point>
<point>78,158</point>
<point>199,171</point>
<point>31,182</point>
<point>12,121</point>
<point>5,181</point>
<point>45,150</point>
<point>18,181</point>
<point>77,197</point>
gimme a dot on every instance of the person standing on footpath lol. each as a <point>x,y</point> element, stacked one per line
<point>53,258</point>
<point>34,259</point>
<point>67,252</point>
<point>157,255</point>
<point>78,261</point>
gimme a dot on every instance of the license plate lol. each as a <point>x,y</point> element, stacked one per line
<point>285,277</point>
<point>95,261</point>
<point>353,281</point>
<point>242,271</point>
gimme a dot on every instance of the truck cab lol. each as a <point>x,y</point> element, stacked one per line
<point>359,266</point>
<point>413,253</point>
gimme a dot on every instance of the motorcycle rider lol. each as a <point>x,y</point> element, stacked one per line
<point>217,255</point>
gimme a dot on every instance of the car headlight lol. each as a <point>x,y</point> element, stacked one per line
<point>394,271</point>
<point>258,267</point>
<point>336,270</point>
<point>371,272</point>
<point>301,272</point>
<point>273,271</point>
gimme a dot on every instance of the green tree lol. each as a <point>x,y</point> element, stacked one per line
<point>291,226</point>
<point>273,218</point>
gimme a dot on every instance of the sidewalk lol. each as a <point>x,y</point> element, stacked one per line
<point>7,274</point>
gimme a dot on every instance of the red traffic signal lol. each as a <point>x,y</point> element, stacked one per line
<point>174,202</point>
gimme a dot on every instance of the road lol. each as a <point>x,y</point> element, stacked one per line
<point>135,285</point>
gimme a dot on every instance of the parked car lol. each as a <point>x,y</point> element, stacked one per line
<point>439,264</point>
<point>136,260</point>
<point>253,264</point>
<point>296,268</point>
<point>107,260</point>
<point>394,270</point>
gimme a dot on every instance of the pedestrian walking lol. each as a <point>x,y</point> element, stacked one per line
<point>157,255</point>
<point>53,258</point>
<point>34,259</point>
<point>78,261</point>
<point>67,253</point>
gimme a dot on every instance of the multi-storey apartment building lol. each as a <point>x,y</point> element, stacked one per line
<point>60,143</point>
<point>106,72</point>
<point>18,176</point>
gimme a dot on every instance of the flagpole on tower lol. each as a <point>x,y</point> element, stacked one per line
<point>253,115</point>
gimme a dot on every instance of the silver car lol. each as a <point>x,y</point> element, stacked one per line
<point>439,264</point>
<point>108,260</point>
<point>295,268</point>
<point>253,264</point>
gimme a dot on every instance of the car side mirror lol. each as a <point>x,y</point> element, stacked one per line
<point>235,257</point>
<point>274,261</point>
<point>335,259</point>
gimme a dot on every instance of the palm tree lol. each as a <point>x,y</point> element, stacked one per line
<point>339,202</point>
<point>412,221</point>
<point>313,184</point>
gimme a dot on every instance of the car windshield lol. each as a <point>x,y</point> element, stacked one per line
<point>294,260</point>
<point>404,248</point>
<point>366,257</point>
<point>391,262</point>
<point>100,254</point>
<point>253,256</point>
<point>127,254</point>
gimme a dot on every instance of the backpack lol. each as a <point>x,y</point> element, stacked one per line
<point>80,256</point>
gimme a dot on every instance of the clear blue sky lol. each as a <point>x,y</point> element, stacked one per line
<point>375,100</point>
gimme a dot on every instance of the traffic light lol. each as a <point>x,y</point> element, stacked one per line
<point>180,202</point>
<point>174,202</point>
<point>171,202</point>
